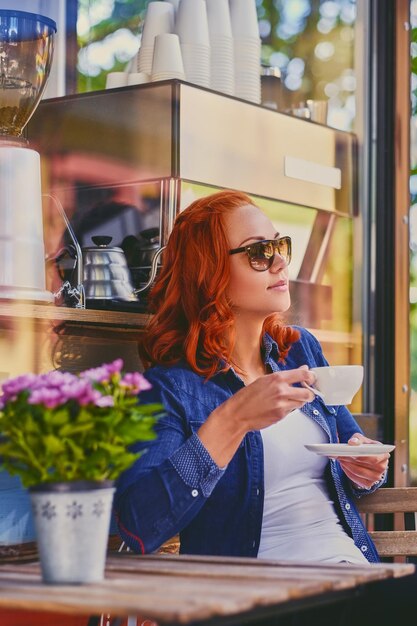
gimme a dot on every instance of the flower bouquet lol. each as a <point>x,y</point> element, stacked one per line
<point>67,437</point>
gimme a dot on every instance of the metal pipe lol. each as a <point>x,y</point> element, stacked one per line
<point>80,264</point>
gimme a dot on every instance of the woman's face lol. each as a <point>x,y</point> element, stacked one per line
<point>251,292</point>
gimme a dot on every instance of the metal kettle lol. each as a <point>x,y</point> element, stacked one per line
<point>106,275</point>
<point>142,256</point>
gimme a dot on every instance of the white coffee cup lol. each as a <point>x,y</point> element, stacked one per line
<point>167,58</point>
<point>338,383</point>
<point>116,79</point>
<point>137,78</point>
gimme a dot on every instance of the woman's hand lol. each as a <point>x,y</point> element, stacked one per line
<point>364,471</point>
<point>269,399</point>
<point>262,403</point>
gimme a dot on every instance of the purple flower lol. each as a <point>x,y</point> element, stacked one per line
<point>49,397</point>
<point>14,386</point>
<point>104,401</point>
<point>135,382</point>
<point>103,373</point>
<point>56,388</point>
<point>81,391</point>
<point>55,379</point>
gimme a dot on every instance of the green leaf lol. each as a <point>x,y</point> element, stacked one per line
<point>73,442</point>
<point>53,444</point>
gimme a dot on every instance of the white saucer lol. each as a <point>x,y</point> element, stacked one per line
<point>344,449</point>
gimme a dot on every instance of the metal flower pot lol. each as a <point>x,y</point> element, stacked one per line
<point>72,522</point>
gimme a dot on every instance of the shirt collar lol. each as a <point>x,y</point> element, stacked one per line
<point>270,348</point>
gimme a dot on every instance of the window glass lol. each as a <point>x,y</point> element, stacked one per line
<point>413,248</point>
<point>310,42</point>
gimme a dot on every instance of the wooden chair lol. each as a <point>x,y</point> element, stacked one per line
<point>398,501</point>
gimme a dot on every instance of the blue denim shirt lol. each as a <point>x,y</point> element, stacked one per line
<point>175,486</point>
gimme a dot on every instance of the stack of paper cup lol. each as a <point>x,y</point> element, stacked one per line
<point>192,29</point>
<point>222,71</point>
<point>175,4</point>
<point>167,59</point>
<point>159,19</point>
<point>247,48</point>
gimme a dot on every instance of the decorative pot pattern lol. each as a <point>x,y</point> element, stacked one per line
<point>72,529</point>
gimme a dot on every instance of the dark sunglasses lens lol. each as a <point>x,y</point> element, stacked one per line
<point>261,255</point>
<point>284,249</point>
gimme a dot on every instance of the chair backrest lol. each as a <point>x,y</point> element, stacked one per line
<point>115,544</point>
<point>399,501</point>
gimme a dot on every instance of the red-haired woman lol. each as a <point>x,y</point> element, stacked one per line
<point>229,470</point>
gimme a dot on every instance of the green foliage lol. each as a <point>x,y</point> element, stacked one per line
<point>72,442</point>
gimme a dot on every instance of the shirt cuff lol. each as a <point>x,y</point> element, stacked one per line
<point>196,467</point>
<point>373,487</point>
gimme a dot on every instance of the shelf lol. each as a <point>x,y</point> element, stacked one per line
<point>116,319</point>
<point>81,317</point>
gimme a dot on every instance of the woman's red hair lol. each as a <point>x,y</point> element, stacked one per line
<point>193,318</point>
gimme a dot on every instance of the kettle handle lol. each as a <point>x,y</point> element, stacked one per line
<point>79,254</point>
<point>152,274</point>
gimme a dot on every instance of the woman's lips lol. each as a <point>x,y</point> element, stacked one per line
<point>280,285</point>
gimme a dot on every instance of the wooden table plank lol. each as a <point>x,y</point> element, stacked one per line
<point>201,597</point>
<point>184,590</point>
<point>396,569</point>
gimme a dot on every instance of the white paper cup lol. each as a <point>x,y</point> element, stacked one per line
<point>116,79</point>
<point>338,383</point>
<point>175,4</point>
<point>318,110</point>
<point>137,78</point>
<point>159,19</point>
<point>244,18</point>
<point>167,56</point>
<point>191,23</point>
<point>303,112</point>
<point>168,76</point>
<point>218,16</point>
<point>144,59</point>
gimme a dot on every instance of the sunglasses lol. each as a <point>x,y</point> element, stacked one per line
<point>261,254</point>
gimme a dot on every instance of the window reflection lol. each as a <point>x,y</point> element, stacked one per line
<point>312,43</point>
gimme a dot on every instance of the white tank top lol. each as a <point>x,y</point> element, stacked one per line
<point>299,520</point>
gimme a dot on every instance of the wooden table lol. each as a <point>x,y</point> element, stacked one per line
<point>175,590</point>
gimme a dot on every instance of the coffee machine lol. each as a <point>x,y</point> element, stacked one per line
<point>26,49</point>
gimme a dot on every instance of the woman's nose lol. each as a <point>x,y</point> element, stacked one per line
<point>278,263</point>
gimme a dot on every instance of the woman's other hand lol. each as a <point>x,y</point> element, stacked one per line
<point>364,471</point>
<point>258,405</point>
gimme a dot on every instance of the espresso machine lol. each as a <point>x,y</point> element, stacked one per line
<point>26,49</point>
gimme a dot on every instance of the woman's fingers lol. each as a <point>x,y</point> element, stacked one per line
<point>357,438</point>
<point>293,376</point>
<point>362,481</point>
<point>365,471</point>
<point>270,398</point>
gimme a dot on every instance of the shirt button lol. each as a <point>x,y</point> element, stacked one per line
<point>257,492</point>
<point>315,412</point>
<point>253,543</point>
<point>364,548</point>
<point>194,493</point>
<point>347,506</point>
